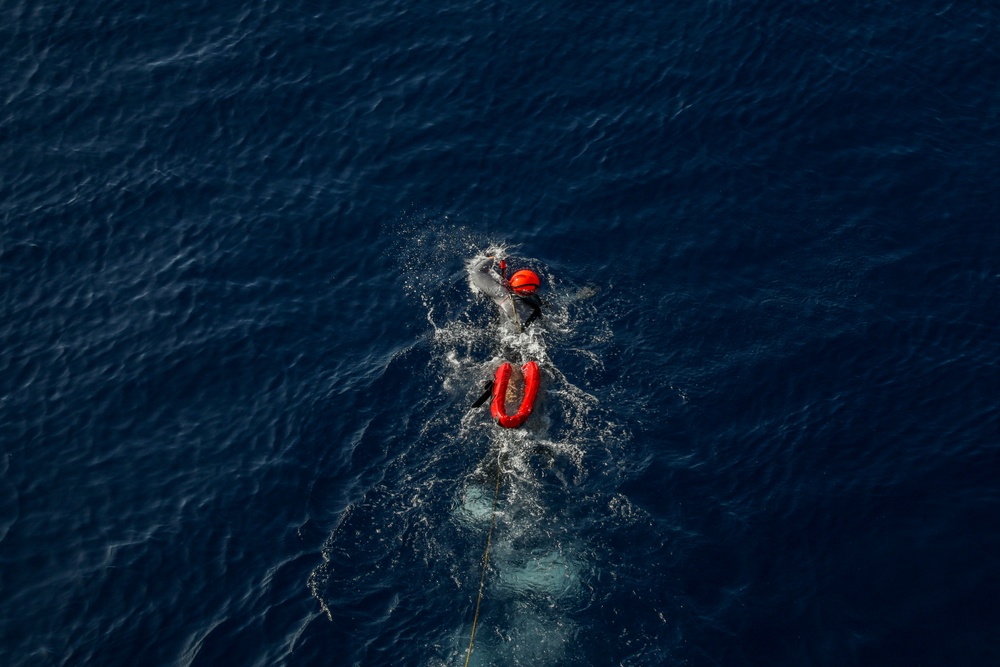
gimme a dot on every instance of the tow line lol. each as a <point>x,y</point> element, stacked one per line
<point>486,560</point>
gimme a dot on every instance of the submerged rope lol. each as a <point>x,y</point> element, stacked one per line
<point>486,560</point>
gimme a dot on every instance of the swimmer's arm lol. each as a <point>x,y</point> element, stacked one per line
<point>481,264</point>
<point>485,279</point>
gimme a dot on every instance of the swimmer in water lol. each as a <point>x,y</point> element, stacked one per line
<point>520,305</point>
<point>516,298</point>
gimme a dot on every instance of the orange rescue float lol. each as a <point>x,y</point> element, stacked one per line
<point>500,381</point>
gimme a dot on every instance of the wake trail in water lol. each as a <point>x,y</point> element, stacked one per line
<point>427,520</point>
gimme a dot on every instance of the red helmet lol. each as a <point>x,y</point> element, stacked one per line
<point>525,281</point>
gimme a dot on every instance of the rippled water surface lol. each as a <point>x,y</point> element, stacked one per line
<point>240,347</point>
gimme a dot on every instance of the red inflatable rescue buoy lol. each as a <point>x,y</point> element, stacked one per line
<point>500,381</point>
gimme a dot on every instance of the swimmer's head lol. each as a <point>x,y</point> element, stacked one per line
<point>525,281</point>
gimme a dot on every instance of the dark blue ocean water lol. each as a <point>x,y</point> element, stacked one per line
<point>239,350</point>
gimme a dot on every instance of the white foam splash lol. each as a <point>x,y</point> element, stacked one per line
<point>540,570</point>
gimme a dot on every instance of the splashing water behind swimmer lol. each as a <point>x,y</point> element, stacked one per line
<point>542,558</point>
